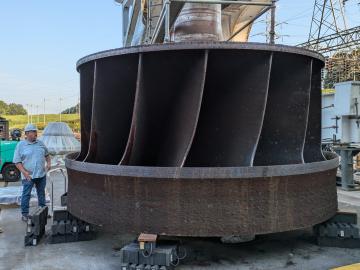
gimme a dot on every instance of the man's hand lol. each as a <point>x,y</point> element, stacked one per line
<point>24,172</point>
<point>27,175</point>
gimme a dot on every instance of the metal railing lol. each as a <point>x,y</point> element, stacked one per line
<point>48,174</point>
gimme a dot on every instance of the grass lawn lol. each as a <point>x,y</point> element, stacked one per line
<point>19,121</point>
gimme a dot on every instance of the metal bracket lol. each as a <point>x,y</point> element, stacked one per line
<point>163,257</point>
<point>62,170</point>
<point>347,172</point>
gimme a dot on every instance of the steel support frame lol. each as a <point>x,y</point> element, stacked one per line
<point>347,172</point>
<point>165,16</point>
<point>342,40</point>
<point>135,6</point>
<point>250,22</point>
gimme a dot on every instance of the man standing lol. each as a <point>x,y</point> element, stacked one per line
<point>30,157</point>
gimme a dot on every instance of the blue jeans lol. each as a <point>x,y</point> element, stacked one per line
<point>40,184</point>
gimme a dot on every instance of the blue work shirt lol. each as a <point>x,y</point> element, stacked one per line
<point>32,156</point>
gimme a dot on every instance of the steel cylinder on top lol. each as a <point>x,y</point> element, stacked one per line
<point>199,22</point>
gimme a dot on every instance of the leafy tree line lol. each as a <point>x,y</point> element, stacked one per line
<point>11,108</point>
<point>71,110</point>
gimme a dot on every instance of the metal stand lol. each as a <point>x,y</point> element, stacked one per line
<point>66,227</point>
<point>347,154</point>
<point>147,254</point>
<point>62,170</point>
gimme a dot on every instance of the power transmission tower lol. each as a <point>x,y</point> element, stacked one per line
<point>328,30</point>
<point>327,19</point>
<point>330,35</point>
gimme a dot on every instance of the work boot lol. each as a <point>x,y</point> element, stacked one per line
<point>24,218</point>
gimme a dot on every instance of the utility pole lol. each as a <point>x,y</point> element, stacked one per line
<point>44,112</point>
<point>270,32</point>
<point>78,110</point>
<point>37,112</point>
<point>28,113</point>
<point>272,22</point>
<point>31,112</point>
<point>60,109</point>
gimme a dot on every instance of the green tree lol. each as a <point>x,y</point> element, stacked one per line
<point>3,107</point>
<point>16,109</point>
<point>11,109</point>
<point>71,110</point>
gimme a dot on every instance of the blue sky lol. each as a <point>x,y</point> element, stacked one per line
<point>41,40</point>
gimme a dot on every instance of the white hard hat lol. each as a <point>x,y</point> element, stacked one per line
<point>30,127</point>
